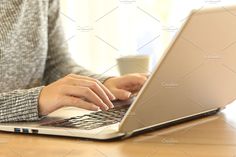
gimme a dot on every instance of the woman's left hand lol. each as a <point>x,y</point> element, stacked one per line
<point>122,87</point>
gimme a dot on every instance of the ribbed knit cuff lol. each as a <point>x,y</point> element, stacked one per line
<point>20,105</point>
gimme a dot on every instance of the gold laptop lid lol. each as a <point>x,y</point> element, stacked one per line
<point>196,74</point>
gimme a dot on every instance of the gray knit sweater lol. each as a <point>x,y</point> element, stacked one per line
<point>33,53</point>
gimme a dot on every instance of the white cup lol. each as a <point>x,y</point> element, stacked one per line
<point>133,64</point>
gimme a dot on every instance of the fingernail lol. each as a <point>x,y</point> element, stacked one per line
<point>113,97</point>
<point>129,94</point>
<point>95,108</point>
<point>112,106</point>
<point>106,107</point>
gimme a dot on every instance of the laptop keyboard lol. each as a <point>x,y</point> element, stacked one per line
<point>93,120</point>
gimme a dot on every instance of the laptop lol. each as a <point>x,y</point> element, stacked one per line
<point>196,77</point>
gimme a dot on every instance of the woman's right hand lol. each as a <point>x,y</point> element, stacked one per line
<point>75,90</point>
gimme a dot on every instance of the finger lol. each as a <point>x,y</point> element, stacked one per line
<point>134,88</point>
<point>109,94</point>
<point>132,82</point>
<point>77,102</point>
<point>121,94</point>
<point>88,94</point>
<point>95,87</point>
<point>138,79</point>
<point>106,90</point>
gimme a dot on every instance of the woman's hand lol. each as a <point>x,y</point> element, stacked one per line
<point>75,90</point>
<point>122,87</point>
<point>88,93</point>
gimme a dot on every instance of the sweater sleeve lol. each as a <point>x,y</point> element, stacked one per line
<point>19,105</point>
<point>59,62</point>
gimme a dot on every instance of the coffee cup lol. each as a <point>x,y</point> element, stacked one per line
<point>133,64</point>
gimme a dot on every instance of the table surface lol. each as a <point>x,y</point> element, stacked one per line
<point>210,136</point>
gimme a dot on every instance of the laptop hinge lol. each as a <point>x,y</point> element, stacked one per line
<point>128,134</point>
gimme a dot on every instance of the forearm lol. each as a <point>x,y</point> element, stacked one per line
<point>19,105</point>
